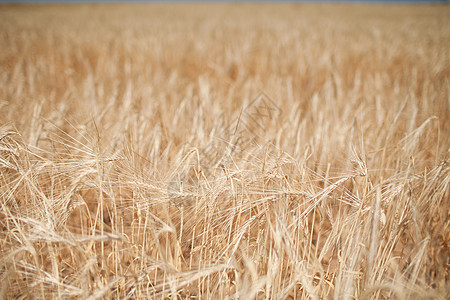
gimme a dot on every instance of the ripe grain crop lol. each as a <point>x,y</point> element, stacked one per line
<point>218,151</point>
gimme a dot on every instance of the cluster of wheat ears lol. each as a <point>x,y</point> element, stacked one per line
<point>224,151</point>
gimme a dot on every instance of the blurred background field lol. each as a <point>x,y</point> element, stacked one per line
<point>207,151</point>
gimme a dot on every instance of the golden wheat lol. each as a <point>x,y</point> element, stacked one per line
<point>224,151</point>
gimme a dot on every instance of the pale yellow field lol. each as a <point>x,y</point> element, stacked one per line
<point>223,151</point>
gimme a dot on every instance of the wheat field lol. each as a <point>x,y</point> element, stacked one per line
<point>224,151</point>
